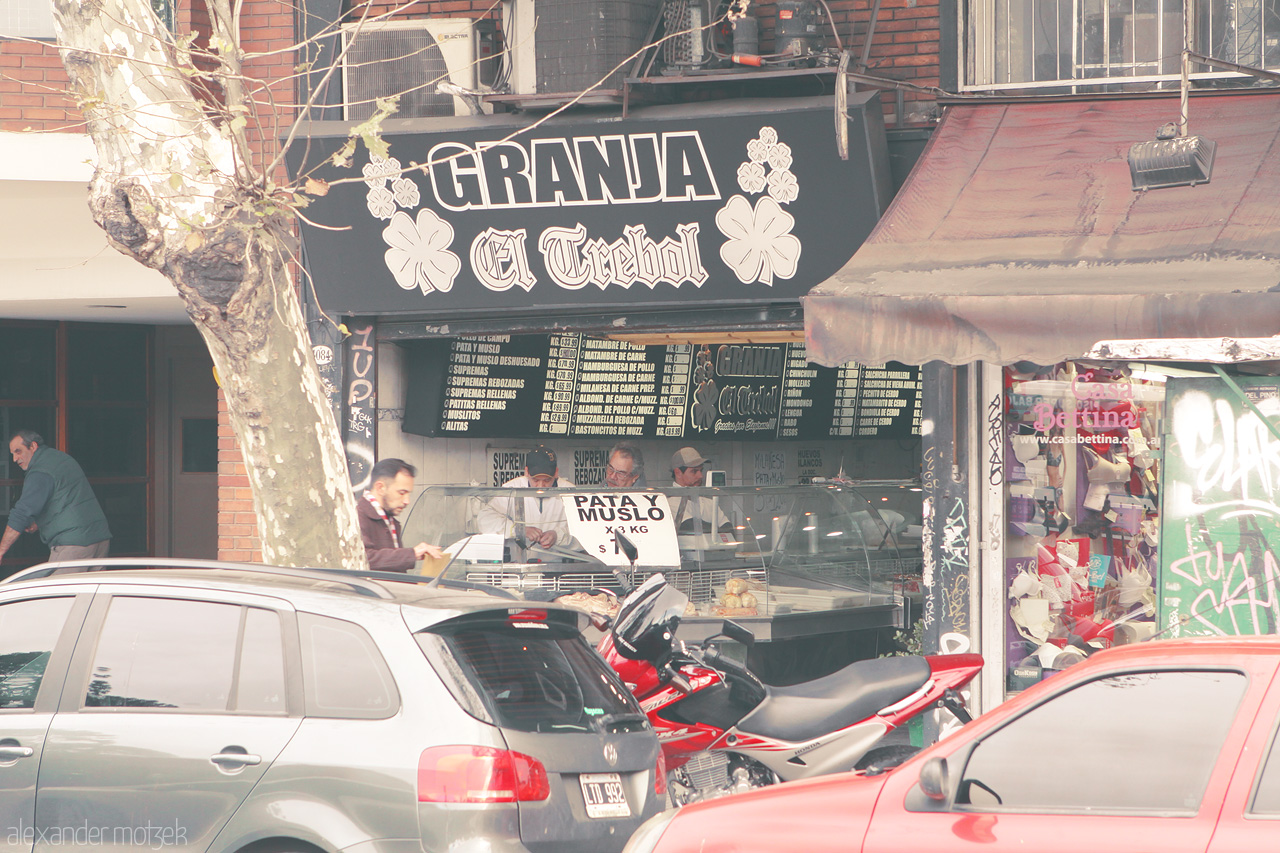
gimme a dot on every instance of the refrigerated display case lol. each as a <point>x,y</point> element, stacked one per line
<point>784,561</point>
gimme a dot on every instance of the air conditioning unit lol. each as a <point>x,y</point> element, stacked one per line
<point>409,59</point>
<point>561,46</point>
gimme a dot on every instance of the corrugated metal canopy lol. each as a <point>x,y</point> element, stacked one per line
<point>1018,236</point>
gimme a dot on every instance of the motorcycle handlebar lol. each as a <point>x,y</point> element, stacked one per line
<point>677,680</point>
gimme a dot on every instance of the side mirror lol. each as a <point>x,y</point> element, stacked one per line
<point>628,547</point>
<point>736,632</point>
<point>933,779</point>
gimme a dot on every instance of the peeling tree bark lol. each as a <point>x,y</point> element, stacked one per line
<point>176,189</point>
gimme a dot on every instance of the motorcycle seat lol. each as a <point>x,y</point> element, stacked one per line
<point>801,712</point>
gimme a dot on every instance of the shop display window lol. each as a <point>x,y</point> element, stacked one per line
<point>1082,462</point>
<point>810,558</point>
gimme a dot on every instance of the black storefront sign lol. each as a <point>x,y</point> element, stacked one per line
<point>533,386</point>
<point>733,203</point>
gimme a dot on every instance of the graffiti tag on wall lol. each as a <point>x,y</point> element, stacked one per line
<point>1219,570</point>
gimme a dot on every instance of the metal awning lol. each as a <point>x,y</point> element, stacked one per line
<point>1018,237</point>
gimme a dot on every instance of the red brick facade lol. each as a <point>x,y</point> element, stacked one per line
<point>32,83</point>
<point>237,521</point>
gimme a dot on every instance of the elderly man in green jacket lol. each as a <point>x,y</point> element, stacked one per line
<point>56,501</point>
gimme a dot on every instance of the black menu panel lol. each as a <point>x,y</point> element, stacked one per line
<point>532,386</point>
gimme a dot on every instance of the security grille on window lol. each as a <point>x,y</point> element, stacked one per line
<point>27,18</point>
<point>1021,44</point>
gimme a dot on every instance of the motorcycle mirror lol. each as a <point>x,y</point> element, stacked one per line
<point>933,779</point>
<point>737,633</point>
<point>628,547</point>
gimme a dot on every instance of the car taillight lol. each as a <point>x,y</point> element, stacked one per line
<point>660,776</point>
<point>480,774</point>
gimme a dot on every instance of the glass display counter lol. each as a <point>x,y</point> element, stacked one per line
<point>784,561</point>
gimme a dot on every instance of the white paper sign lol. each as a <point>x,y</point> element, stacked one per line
<point>643,517</point>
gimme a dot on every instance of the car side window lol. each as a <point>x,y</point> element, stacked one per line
<point>180,655</point>
<point>28,631</point>
<point>1266,795</point>
<point>1138,742</point>
<point>343,673</point>
<point>260,682</point>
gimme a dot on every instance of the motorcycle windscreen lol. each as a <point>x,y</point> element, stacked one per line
<point>646,624</point>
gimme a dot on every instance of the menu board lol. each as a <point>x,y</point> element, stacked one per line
<point>532,386</point>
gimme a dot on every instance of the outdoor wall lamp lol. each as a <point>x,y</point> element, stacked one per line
<point>1174,158</point>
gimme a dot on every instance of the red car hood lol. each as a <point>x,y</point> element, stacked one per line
<point>780,818</point>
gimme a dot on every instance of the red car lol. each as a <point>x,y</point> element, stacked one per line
<point>1166,746</point>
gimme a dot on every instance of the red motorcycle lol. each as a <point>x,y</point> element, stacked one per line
<point>724,731</point>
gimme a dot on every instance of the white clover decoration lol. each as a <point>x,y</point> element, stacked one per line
<point>760,245</point>
<point>406,193</point>
<point>378,170</point>
<point>780,156</point>
<point>418,254</point>
<point>381,203</point>
<point>783,186</point>
<point>751,177</point>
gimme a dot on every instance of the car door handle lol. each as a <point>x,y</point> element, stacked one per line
<point>241,758</point>
<point>8,753</point>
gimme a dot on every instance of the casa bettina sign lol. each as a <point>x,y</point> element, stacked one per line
<point>663,208</point>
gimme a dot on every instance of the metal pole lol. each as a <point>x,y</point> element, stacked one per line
<point>1186,81</point>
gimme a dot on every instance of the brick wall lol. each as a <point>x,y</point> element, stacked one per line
<point>237,522</point>
<point>32,83</point>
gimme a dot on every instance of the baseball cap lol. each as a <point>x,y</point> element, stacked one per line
<point>687,457</point>
<point>541,460</point>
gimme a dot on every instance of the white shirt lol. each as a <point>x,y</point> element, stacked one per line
<point>545,512</point>
<point>689,507</point>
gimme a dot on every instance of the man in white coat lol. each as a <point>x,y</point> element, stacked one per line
<point>535,519</point>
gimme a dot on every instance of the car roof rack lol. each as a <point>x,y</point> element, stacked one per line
<point>429,580</point>
<point>360,583</point>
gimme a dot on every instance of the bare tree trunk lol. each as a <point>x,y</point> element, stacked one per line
<point>176,188</point>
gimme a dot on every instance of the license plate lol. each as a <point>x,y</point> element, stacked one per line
<point>603,794</point>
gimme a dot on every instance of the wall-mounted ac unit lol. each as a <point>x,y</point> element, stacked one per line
<point>409,59</point>
<point>560,46</point>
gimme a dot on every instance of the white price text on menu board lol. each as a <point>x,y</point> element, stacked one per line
<point>643,517</point>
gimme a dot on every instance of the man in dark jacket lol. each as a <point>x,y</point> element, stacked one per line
<point>56,502</point>
<point>391,483</point>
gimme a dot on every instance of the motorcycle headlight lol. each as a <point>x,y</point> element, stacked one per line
<point>645,838</point>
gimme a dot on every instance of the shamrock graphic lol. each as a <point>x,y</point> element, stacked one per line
<point>703,409</point>
<point>751,177</point>
<point>760,244</point>
<point>382,201</point>
<point>419,253</point>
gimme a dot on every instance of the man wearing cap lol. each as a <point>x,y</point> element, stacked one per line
<point>692,513</point>
<point>536,519</point>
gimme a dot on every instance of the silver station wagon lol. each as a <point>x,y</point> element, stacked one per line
<point>189,706</point>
